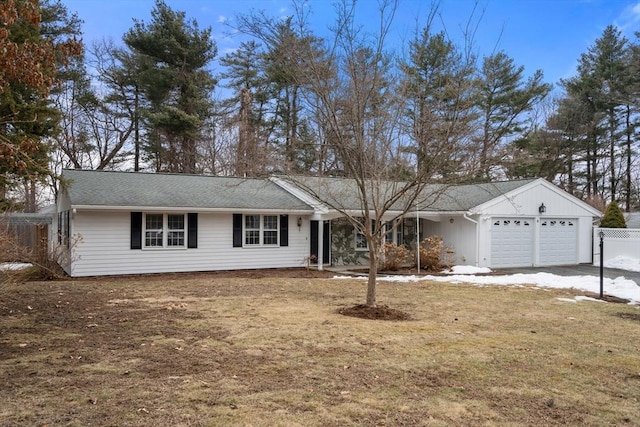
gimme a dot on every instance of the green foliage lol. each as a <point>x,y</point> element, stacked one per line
<point>504,98</point>
<point>438,84</point>
<point>598,116</point>
<point>169,55</point>
<point>613,217</point>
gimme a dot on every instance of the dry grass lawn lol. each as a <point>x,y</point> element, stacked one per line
<point>270,349</point>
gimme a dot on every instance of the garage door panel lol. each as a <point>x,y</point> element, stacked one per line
<point>558,241</point>
<point>511,242</point>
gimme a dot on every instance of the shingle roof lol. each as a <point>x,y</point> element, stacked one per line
<point>343,193</point>
<point>107,188</point>
<point>467,196</point>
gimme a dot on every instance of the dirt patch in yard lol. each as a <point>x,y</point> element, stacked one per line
<point>380,312</point>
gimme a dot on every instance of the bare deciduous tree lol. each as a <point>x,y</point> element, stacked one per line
<point>357,97</point>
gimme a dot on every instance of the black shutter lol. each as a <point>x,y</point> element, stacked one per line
<point>284,230</point>
<point>136,230</point>
<point>237,230</point>
<point>192,231</point>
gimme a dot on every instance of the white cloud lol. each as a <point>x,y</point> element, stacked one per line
<point>222,19</point>
<point>629,17</point>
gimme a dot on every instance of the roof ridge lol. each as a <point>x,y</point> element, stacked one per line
<point>160,174</point>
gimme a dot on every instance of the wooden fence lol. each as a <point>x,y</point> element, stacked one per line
<point>28,233</point>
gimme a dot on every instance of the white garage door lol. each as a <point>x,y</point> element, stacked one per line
<point>558,241</point>
<point>511,242</point>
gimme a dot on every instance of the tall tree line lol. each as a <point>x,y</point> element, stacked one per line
<point>153,102</point>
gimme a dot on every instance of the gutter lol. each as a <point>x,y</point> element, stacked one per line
<point>188,209</point>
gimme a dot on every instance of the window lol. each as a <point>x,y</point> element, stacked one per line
<point>361,240</point>
<point>270,223</point>
<point>175,236</point>
<point>261,230</point>
<point>64,228</point>
<point>164,230</point>
<point>388,232</point>
<point>153,230</point>
<point>252,230</point>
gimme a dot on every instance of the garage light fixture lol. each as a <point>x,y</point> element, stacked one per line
<point>542,209</point>
<point>299,221</point>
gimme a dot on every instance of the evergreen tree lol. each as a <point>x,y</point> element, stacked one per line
<point>171,55</point>
<point>437,84</point>
<point>503,98</point>
<point>613,217</point>
<point>249,105</point>
<point>604,88</point>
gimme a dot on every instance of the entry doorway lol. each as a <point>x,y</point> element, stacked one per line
<point>326,241</point>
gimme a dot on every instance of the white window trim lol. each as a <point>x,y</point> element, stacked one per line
<point>355,240</point>
<point>262,230</point>
<point>165,232</point>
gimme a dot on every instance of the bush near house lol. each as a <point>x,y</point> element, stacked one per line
<point>393,257</point>
<point>613,217</point>
<point>432,253</point>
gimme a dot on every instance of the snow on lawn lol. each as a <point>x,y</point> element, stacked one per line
<point>13,266</point>
<point>619,287</point>
<point>623,263</point>
<point>467,269</point>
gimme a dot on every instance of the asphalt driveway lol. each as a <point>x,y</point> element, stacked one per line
<point>575,270</point>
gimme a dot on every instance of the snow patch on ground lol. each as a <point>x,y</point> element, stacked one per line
<point>580,298</point>
<point>14,266</point>
<point>623,263</point>
<point>619,287</point>
<point>467,269</point>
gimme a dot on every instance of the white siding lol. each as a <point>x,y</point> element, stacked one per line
<point>525,204</point>
<point>104,248</point>
<point>459,235</point>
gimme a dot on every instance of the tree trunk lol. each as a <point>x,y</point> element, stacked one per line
<point>136,125</point>
<point>373,274</point>
<point>612,153</point>
<point>628,155</point>
<point>374,241</point>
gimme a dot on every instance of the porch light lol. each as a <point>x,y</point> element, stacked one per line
<point>542,209</point>
<point>299,221</point>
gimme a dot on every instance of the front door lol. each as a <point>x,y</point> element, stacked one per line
<point>326,239</point>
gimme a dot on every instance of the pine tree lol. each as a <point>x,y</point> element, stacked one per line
<point>503,99</point>
<point>172,54</point>
<point>437,83</point>
<point>613,217</point>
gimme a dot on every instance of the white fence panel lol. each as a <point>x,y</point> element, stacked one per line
<point>617,242</point>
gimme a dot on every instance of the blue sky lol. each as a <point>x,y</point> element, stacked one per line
<point>539,34</point>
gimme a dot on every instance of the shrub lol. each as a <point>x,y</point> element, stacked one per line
<point>393,257</point>
<point>432,252</point>
<point>613,217</point>
<point>45,264</point>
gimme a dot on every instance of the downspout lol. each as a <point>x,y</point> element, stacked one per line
<point>477,237</point>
